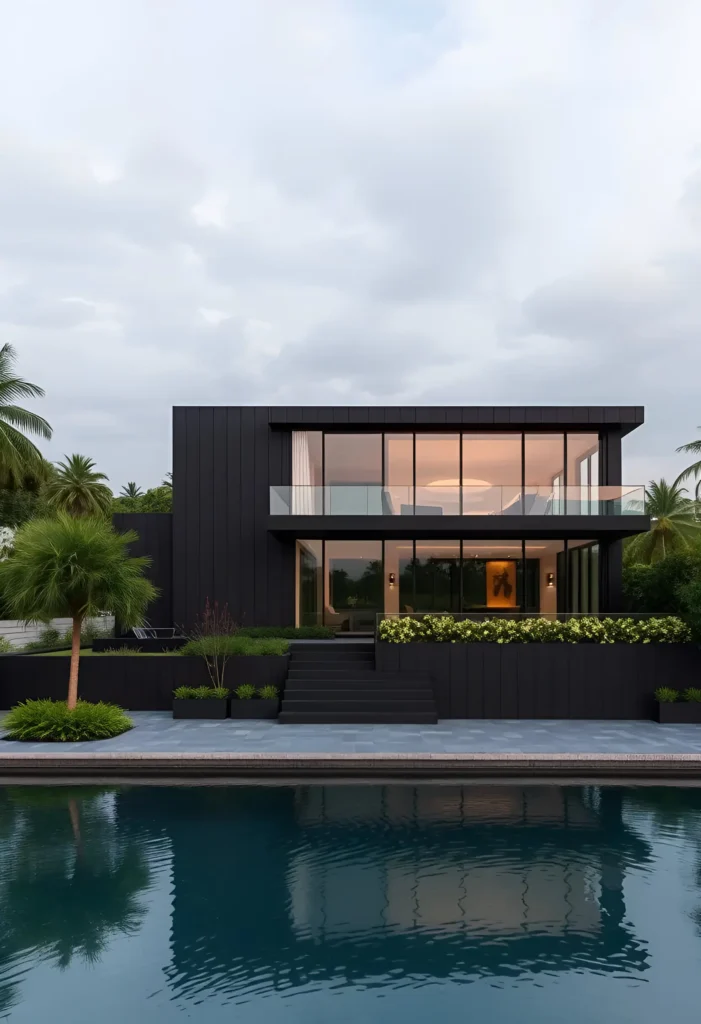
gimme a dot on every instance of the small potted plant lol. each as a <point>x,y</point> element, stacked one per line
<point>249,702</point>
<point>200,702</point>
<point>675,708</point>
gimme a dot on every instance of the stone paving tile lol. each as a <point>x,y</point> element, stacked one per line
<point>157,732</point>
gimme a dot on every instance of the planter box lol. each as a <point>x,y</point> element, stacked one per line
<point>679,712</point>
<point>210,707</point>
<point>254,708</point>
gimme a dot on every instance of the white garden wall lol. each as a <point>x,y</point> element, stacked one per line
<point>19,634</point>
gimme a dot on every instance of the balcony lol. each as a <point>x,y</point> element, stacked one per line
<point>502,500</point>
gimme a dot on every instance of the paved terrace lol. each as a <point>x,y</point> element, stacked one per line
<point>160,745</point>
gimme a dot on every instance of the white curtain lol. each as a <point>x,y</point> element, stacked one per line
<point>303,493</point>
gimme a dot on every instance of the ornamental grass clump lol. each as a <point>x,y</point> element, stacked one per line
<point>666,695</point>
<point>201,693</point>
<point>54,721</point>
<point>245,691</point>
<point>692,694</point>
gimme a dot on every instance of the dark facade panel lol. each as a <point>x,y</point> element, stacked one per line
<point>155,541</point>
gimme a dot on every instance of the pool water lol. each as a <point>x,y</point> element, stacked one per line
<point>343,903</point>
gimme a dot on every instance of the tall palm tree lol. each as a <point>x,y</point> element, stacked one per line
<point>77,489</point>
<point>74,567</point>
<point>674,523</point>
<point>692,448</point>
<point>131,490</point>
<point>19,457</point>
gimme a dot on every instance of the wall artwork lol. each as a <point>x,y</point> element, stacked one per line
<point>501,584</point>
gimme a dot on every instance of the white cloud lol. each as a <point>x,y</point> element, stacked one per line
<point>426,200</point>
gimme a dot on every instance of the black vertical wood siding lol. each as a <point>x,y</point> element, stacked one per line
<point>224,461</point>
<point>586,681</point>
<point>155,541</point>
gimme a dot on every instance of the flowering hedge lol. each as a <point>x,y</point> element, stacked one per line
<point>444,629</point>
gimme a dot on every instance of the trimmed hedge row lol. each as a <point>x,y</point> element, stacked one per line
<point>445,629</point>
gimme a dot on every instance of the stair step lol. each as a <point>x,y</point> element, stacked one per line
<point>358,717</point>
<point>331,666</point>
<point>326,646</point>
<point>332,656</point>
<point>372,704</point>
<point>371,685</point>
<point>389,693</point>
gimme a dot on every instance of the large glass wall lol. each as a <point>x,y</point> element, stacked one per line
<point>545,576</point>
<point>344,583</point>
<point>353,584</point>
<point>310,582</point>
<point>437,575</point>
<point>353,474</point>
<point>491,473</point>
<point>438,474</point>
<point>398,495</point>
<point>544,474</point>
<point>582,473</point>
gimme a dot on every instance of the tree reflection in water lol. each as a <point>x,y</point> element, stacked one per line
<point>68,881</point>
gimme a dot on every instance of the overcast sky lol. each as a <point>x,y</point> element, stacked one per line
<point>350,201</point>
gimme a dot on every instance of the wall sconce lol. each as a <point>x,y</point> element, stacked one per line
<point>392,579</point>
<point>550,579</point>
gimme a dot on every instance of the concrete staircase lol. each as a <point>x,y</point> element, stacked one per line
<point>336,681</point>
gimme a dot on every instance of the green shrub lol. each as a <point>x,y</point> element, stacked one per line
<point>121,651</point>
<point>693,694</point>
<point>228,646</point>
<point>5,646</point>
<point>588,629</point>
<point>268,692</point>
<point>245,691</point>
<point>200,692</point>
<point>288,632</point>
<point>666,695</point>
<point>656,588</point>
<point>50,720</point>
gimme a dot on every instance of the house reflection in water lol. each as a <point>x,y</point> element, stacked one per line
<point>275,889</point>
<point>489,865</point>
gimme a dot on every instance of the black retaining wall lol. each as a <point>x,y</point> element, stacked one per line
<point>135,683</point>
<point>586,681</point>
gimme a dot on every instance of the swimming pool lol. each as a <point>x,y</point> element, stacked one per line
<point>346,902</point>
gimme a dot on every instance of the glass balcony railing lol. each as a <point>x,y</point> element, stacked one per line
<point>502,500</point>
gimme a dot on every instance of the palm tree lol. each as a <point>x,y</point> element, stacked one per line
<point>168,481</point>
<point>692,448</point>
<point>76,488</point>
<point>674,523</point>
<point>74,568</point>
<point>131,490</point>
<point>19,457</point>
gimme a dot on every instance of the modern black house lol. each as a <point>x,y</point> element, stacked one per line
<point>330,515</point>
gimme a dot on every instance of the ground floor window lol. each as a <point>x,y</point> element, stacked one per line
<point>345,583</point>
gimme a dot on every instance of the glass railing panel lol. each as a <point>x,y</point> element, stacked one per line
<point>437,501</point>
<point>505,500</point>
<point>495,500</point>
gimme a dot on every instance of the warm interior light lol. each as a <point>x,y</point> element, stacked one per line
<point>392,579</point>
<point>550,579</point>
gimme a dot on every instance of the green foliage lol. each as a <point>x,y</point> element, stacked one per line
<point>675,525</point>
<point>219,646</point>
<point>20,459</point>
<point>666,695</point>
<point>131,490</point>
<point>445,629</point>
<point>245,691</point>
<point>121,652</point>
<point>200,692</point>
<point>77,489</point>
<point>50,638</point>
<point>288,632</point>
<point>268,692</point>
<point>690,600</point>
<point>655,587</point>
<point>50,720</point>
<point>75,568</point>
<point>5,646</point>
<point>693,694</point>
<point>156,499</point>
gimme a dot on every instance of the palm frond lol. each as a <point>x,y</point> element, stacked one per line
<point>25,420</point>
